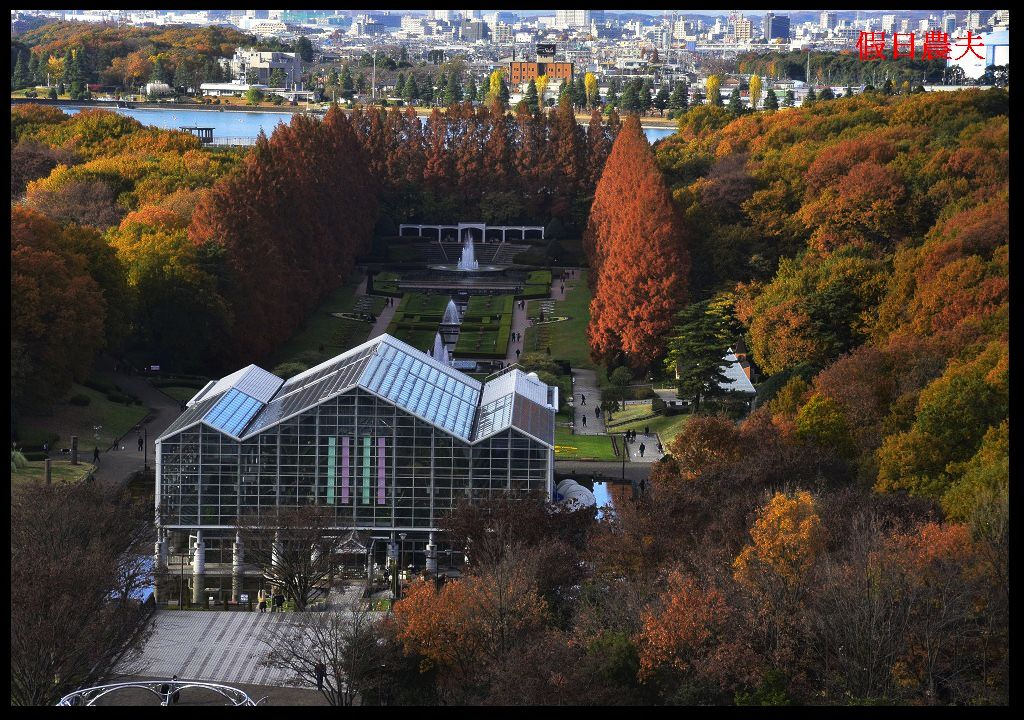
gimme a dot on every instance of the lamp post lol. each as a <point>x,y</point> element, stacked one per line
<point>398,566</point>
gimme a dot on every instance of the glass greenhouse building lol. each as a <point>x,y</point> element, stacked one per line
<point>386,435</point>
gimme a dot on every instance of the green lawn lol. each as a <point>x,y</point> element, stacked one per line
<point>667,427</point>
<point>582,447</point>
<point>113,419</point>
<point>61,471</point>
<point>631,412</point>
<point>567,339</point>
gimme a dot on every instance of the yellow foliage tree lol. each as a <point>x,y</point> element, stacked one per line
<point>712,86</point>
<point>755,91</point>
<point>590,85</point>
<point>542,84</point>
<point>787,536</point>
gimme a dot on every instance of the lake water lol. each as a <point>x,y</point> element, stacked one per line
<point>240,124</point>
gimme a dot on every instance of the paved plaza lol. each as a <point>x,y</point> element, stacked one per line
<point>217,646</point>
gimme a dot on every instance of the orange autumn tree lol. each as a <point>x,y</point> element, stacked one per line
<point>689,634</point>
<point>473,621</point>
<point>634,241</point>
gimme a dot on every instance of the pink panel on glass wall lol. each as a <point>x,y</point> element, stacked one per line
<point>380,471</point>
<point>344,469</point>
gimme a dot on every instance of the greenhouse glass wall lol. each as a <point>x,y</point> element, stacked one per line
<point>388,437</point>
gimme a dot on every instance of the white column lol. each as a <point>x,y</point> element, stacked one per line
<point>237,558</point>
<point>431,556</point>
<point>198,569</point>
<point>275,550</point>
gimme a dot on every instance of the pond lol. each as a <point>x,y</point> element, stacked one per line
<point>242,124</point>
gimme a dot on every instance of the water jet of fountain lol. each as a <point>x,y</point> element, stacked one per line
<point>451,314</point>
<point>468,259</point>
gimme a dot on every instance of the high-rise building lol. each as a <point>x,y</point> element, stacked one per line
<point>828,19</point>
<point>565,19</point>
<point>470,14</point>
<point>888,23</point>
<point>949,24</point>
<point>973,21</point>
<point>744,30</point>
<point>776,27</point>
<point>442,15</point>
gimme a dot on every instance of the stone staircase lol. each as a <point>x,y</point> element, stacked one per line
<point>505,253</point>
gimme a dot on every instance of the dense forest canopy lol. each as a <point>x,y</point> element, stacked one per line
<point>847,542</point>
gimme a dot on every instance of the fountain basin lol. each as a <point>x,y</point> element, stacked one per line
<point>480,268</point>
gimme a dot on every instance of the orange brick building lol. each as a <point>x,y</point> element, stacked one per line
<point>520,72</point>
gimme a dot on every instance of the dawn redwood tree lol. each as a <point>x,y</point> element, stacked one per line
<point>636,246</point>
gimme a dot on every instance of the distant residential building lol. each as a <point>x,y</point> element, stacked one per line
<point>263,63</point>
<point>520,72</point>
<point>503,33</point>
<point>474,30</point>
<point>443,15</point>
<point>743,30</point>
<point>828,19</point>
<point>565,19</point>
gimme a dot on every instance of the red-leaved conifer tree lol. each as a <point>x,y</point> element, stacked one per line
<point>637,252</point>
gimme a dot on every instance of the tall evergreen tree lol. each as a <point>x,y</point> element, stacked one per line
<point>21,77</point>
<point>811,96</point>
<point>771,101</point>
<point>697,346</point>
<point>827,94</point>
<point>679,99</point>
<point>630,101</point>
<point>646,102</point>
<point>579,92</point>
<point>635,242</point>
<point>530,96</point>
<point>347,84</point>
<point>735,102</point>
<point>661,100</point>
<point>412,91</point>
<point>789,100</point>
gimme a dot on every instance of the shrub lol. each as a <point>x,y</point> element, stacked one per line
<point>119,397</point>
<point>287,369</point>
<point>35,455</point>
<point>99,386</point>
<point>80,400</point>
<point>18,460</point>
<point>621,377</point>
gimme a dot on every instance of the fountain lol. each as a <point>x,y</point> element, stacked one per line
<point>468,261</point>
<point>439,351</point>
<point>451,314</point>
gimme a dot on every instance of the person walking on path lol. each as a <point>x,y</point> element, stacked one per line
<point>642,448</point>
<point>597,413</point>
<point>140,443</point>
<point>46,449</point>
<point>584,420</point>
<point>583,399</point>
<point>95,454</point>
<point>647,430</point>
<point>517,353</point>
